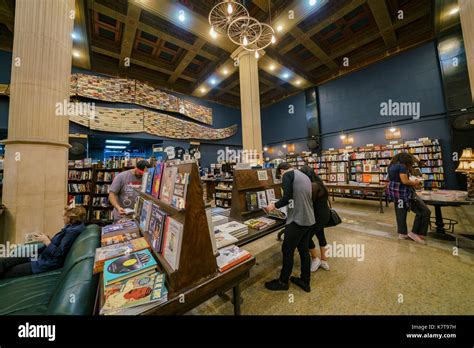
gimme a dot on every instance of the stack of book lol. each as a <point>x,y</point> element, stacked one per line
<point>220,211</point>
<point>234,228</point>
<point>231,256</point>
<point>259,223</point>
<point>132,284</point>
<point>119,233</point>
<point>115,250</point>
<point>219,220</point>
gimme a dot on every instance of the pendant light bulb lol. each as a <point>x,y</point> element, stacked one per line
<point>274,39</point>
<point>213,33</point>
<point>257,55</point>
<point>245,41</point>
<point>230,9</point>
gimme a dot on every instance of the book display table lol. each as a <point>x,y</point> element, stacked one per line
<point>377,190</point>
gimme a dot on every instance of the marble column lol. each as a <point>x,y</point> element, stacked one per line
<point>250,105</point>
<point>466,12</point>
<point>36,152</point>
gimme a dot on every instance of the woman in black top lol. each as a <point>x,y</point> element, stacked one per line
<point>322,214</point>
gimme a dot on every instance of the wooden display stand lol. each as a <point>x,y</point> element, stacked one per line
<point>197,261</point>
<point>247,180</point>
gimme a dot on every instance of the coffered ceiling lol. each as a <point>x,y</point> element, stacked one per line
<point>177,53</point>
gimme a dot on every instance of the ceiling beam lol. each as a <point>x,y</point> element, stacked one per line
<point>384,22</point>
<point>142,63</point>
<point>129,33</point>
<point>321,25</point>
<point>368,38</point>
<point>261,4</point>
<point>7,16</point>
<point>148,29</point>
<point>81,43</point>
<point>187,59</point>
<point>311,46</point>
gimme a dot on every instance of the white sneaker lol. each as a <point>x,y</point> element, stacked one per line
<point>315,263</point>
<point>402,236</point>
<point>325,265</point>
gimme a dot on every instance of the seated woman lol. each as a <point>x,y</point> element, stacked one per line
<point>54,252</point>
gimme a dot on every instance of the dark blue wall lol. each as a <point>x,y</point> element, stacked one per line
<point>352,103</point>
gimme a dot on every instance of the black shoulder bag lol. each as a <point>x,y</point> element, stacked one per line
<point>334,218</point>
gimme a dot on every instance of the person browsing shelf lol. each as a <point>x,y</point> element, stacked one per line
<point>297,196</point>
<point>320,197</point>
<point>401,190</point>
<point>122,192</point>
<point>51,256</point>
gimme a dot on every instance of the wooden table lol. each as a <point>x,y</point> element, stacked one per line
<point>438,203</point>
<point>182,302</point>
<point>379,190</point>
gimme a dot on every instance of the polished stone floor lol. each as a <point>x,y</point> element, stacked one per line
<point>389,277</point>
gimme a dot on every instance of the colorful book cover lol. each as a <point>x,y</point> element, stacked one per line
<point>128,266</point>
<point>231,256</point>
<point>149,181</point>
<point>262,199</point>
<point>155,191</point>
<point>120,228</point>
<point>252,202</point>
<point>143,289</point>
<point>122,238</point>
<point>145,216</point>
<point>172,242</point>
<point>112,251</point>
<point>167,184</point>
<point>270,194</point>
<point>224,239</point>
<point>155,229</point>
<point>180,190</point>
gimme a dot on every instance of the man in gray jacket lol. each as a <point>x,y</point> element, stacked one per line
<point>297,195</point>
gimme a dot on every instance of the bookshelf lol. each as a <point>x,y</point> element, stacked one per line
<point>197,261</point>
<point>80,183</point>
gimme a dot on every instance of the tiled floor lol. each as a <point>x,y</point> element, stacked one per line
<point>392,277</point>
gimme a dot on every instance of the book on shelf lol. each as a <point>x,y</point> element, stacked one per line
<point>115,250</point>
<point>252,201</point>
<point>224,239</point>
<point>262,199</point>
<point>210,226</point>
<point>155,192</point>
<point>256,224</point>
<point>127,266</point>
<point>270,194</point>
<point>144,181</point>
<point>134,293</point>
<point>173,237</point>
<point>119,228</point>
<point>149,180</point>
<point>266,220</point>
<point>179,191</point>
<point>274,176</point>
<point>156,227</point>
<point>231,256</point>
<point>145,216</point>
<point>167,183</point>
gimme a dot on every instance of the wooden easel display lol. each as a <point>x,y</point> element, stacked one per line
<point>248,180</point>
<point>197,261</point>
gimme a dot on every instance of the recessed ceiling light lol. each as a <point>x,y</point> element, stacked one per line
<point>213,81</point>
<point>203,90</point>
<point>274,39</point>
<point>118,147</point>
<point>343,136</point>
<point>76,54</point>
<point>265,148</point>
<point>279,28</point>
<point>454,11</point>
<point>181,16</point>
<point>284,146</point>
<point>225,71</point>
<point>74,36</point>
<point>298,82</point>
<point>312,2</point>
<point>286,75</point>
<point>272,67</point>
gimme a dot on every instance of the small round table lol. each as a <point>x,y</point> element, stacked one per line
<point>439,202</point>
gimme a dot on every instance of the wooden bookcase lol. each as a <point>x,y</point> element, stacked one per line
<point>87,182</point>
<point>197,261</point>
<point>247,180</point>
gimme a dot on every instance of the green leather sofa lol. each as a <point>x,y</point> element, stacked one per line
<point>67,291</point>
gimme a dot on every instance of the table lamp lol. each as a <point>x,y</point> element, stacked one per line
<point>466,165</point>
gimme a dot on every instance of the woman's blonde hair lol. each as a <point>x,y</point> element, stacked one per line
<point>76,214</point>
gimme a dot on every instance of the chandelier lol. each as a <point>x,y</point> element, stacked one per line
<point>231,18</point>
